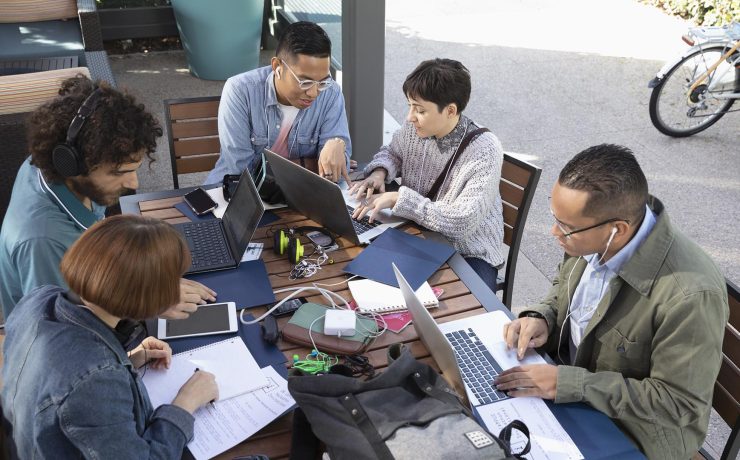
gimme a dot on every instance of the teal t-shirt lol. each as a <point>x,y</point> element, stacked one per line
<point>42,221</point>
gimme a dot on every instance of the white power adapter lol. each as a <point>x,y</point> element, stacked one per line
<point>340,323</point>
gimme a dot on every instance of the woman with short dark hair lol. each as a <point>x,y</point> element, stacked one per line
<point>70,388</point>
<point>462,202</point>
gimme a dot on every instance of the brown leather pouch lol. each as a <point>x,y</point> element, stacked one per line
<point>311,315</point>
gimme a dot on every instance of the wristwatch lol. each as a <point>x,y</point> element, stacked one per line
<point>531,314</point>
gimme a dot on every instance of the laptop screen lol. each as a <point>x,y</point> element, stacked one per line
<point>242,215</point>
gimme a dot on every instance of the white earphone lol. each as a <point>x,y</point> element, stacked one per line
<point>569,312</point>
<point>277,72</point>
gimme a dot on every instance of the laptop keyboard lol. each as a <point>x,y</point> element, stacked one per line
<point>363,225</point>
<point>477,366</point>
<point>207,245</point>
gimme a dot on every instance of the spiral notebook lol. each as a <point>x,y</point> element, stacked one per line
<point>229,360</point>
<point>375,297</point>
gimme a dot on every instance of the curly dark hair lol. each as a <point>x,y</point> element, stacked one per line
<point>118,130</point>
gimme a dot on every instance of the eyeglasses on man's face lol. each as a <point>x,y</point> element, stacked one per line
<point>567,230</point>
<point>305,85</point>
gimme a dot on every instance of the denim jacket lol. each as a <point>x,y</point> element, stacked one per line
<point>70,390</point>
<point>249,120</point>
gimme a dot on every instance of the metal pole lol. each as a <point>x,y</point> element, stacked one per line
<point>363,69</point>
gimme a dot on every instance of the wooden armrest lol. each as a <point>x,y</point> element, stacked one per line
<point>25,92</point>
<point>37,10</point>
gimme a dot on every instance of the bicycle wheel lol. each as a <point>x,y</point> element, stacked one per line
<point>678,112</point>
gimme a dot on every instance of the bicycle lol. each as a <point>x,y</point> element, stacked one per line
<point>694,91</point>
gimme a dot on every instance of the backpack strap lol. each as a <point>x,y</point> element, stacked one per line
<point>304,445</point>
<point>359,416</point>
<point>505,436</point>
<point>432,194</point>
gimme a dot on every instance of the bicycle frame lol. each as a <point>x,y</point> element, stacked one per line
<point>707,37</point>
<point>714,66</point>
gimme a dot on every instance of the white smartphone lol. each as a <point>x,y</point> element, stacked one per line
<point>215,318</point>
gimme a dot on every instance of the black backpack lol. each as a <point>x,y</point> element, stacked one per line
<point>407,412</point>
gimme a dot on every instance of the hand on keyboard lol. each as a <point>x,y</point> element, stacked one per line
<point>540,380</point>
<point>375,204</point>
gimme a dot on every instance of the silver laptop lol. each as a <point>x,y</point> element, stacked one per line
<point>470,352</point>
<point>463,349</point>
<point>325,202</point>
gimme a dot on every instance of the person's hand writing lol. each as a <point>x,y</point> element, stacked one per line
<point>332,161</point>
<point>539,380</point>
<point>375,204</point>
<point>192,294</point>
<point>200,389</point>
<point>153,352</point>
<point>375,182</point>
<point>524,333</point>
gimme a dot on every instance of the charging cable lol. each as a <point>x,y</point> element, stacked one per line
<point>330,296</point>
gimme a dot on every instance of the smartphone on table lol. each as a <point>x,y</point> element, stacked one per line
<point>214,318</point>
<point>323,240</point>
<point>288,307</point>
<point>200,201</point>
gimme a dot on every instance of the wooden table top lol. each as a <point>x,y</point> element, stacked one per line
<point>456,302</point>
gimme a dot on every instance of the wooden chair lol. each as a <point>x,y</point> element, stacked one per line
<point>192,132</point>
<point>20,95</point>
<point>518,182</point>
<point>37,34</point>
<point>726,399</point>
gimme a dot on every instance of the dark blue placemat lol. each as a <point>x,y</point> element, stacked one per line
<point>416,258</point>
<point>247,285</point>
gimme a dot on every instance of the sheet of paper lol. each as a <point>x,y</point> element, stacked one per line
<point>218,196</point>
<point>253,252</point>
<point>217,358</point>
<point>549,440</point>
<point>223,425</point>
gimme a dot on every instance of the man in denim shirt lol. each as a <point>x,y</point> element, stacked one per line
<point>292,107</point>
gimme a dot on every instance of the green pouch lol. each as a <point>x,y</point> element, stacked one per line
<point>296,331</point>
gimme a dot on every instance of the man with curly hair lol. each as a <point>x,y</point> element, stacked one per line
<point>51,207</point>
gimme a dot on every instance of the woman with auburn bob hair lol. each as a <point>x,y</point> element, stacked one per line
<point>71,390</point>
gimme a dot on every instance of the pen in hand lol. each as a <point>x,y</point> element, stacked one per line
<point>212,401</point>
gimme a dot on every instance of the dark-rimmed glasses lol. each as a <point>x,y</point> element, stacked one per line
<point>305,85</point>
<point>567,234</point>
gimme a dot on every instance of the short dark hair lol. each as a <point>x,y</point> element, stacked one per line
<point>303,37</point>
<point>118,129</point>
<point>128,265</point>
<point>442,81</point>
<point>610,174</point>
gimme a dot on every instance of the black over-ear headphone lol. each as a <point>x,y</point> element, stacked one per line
<point>286,241</point>
<point>66,157</point>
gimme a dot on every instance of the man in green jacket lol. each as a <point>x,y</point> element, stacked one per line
<point>635,316</point>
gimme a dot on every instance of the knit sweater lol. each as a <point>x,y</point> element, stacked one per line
<point>468,208</point>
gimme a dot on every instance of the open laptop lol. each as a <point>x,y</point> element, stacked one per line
<point>464,349</point>
<point>470,352</point>
<point>218,244</point>
<point>325,202</point>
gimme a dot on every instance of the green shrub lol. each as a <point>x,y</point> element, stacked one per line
<point>702,12</point>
